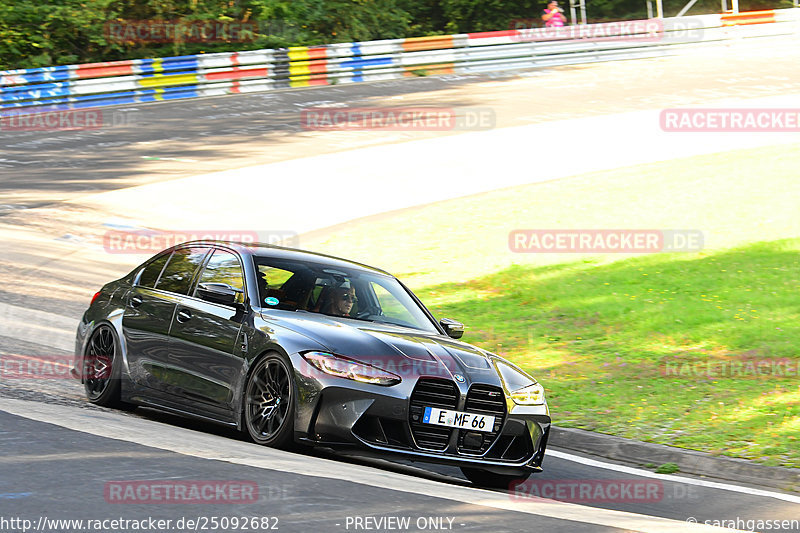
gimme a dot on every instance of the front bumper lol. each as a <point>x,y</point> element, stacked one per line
<point>338,412</point>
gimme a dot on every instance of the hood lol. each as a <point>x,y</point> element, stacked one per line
<point>403,351</point>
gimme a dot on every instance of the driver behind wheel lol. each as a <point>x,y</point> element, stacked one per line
<point>343,299</point>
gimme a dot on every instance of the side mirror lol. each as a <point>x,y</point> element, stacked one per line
<point>453,328</point>
<point>218,293</point>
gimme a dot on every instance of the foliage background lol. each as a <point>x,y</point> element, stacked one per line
<point>59,32</point>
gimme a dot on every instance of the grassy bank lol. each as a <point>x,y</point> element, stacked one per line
<point>696,349</point>
<point>699,353</point>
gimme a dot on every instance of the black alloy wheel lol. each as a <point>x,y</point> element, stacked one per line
<point>269,402</point>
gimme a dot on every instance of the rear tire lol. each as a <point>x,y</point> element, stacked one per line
<point>102,368</point>
<point>269,402</point>
<point>490,480</point>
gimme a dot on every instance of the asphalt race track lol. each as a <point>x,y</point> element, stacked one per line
<point>59,454</point>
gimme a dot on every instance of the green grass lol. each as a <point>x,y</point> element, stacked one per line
<point>616,344</point>
<point>667,468</point>
<point>601,331</point>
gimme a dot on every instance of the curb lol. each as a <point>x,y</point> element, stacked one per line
<point>689,461</point>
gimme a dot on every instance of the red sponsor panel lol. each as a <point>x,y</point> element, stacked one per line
<point>318,66</point>
<point>492,34</point>
<point>111,68</point>
<point>318,53</point>
<point>172,492</point>
<point>238,73</point>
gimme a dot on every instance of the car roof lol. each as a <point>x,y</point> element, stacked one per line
<point>257,249</point>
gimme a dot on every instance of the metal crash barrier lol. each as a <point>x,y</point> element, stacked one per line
<point>149,80</point>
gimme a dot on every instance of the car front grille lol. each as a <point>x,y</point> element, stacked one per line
<point>485,400</point>
<point>431,393</point>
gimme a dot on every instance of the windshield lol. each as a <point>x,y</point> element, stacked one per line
<point>336,291</point>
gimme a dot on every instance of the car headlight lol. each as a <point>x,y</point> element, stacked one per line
<point>530,395</point>
<point>522,388</point>
<point>343,367</point>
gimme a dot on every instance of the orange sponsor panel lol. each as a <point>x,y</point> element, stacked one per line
<point>435,42</point>
<point>748,17</point>
<point>429,70</point>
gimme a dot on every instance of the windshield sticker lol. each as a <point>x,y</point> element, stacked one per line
<point>271,301</point>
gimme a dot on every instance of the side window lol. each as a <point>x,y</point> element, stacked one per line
<point>149,275</point>
<point>224,267</point>
<point>391,306</point>
<point>275,277</point>
<point>177,276</point>
<point>270,283</point>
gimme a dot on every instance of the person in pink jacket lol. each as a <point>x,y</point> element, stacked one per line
<point>553,16</point>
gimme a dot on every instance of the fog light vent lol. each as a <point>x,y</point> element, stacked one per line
<point>472,440</point>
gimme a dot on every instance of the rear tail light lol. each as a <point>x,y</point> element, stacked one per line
<point>95,297</point>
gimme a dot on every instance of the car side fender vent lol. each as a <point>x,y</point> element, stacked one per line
<point>384,431</point>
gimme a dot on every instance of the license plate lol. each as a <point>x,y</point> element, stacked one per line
<point>458,419</point>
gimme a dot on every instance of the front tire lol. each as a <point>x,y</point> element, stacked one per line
<point>269,402</point>
<point>102,365</point>
<point>490,480</point>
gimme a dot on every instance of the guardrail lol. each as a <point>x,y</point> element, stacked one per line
<point>149,80</point>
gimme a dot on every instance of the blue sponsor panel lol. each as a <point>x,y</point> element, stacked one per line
<point>37,75</point>
<point>184,91</point>
<point>37,92</point>
<point>168,66</point>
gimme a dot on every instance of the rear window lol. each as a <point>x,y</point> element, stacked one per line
<point>179,272</point>
<point>151,272</point>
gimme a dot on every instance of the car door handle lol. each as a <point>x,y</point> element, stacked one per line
<point>184,315</point>
<point>135,301</point>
